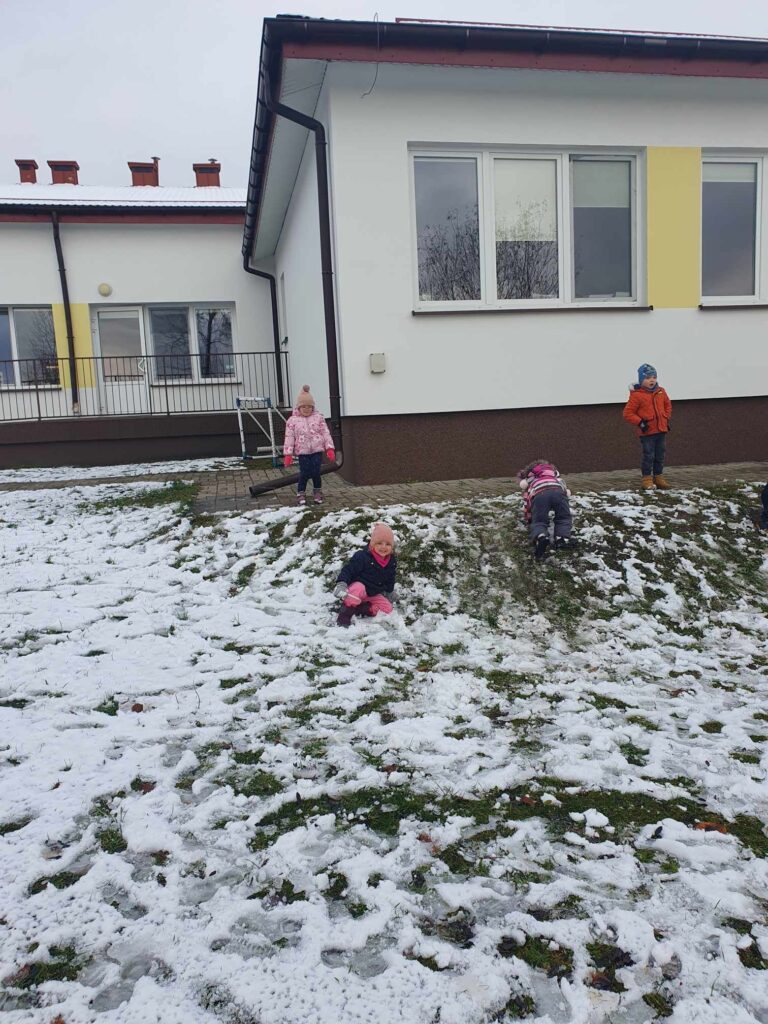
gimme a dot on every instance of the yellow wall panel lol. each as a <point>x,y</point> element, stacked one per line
<point>674,227</point>
<point>81,329</point>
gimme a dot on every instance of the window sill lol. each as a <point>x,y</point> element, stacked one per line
<point>706,307</point>
<point>189,383</point>
<point>604,307</point>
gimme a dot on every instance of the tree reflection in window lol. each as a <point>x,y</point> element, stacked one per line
<point>36,346</point>
<point>526,229</point>
<point>447,229</point>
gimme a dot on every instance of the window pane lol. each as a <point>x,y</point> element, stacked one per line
<point>447,229</point>
<point>170,342</point>
<point>526,229</point>
<point>120,344</point>
<point>602,228</point>
<point>728,214</point>
<point>36,346</point>
<point>7,378</point>
<point>214,342</point>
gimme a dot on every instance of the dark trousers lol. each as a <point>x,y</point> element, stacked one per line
<point>309,467</point>
<point>654,446</point>
<point>764,512</point>
<point>550,500</point>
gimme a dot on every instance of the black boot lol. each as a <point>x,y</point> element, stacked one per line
<point>564,543</point>
<point>344,617</point>
<point>540,547</point>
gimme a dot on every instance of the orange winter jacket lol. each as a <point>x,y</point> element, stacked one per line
<point>652,406</point>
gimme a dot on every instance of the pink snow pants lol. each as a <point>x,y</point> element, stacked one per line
<point>356,595</point>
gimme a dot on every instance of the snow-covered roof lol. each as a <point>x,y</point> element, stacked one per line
<point>125,196</point>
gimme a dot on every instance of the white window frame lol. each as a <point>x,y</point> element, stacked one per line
<point>761,237</point>
<point>17,384</point>
<point>193,351</point>
<point>485,157</point>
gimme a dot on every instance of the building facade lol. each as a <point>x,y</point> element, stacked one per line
<point>516,223</point>
<point>127,324</point>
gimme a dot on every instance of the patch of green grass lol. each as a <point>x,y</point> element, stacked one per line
<point>536,952</point>
<point>256,784</point>
<point>505,681</point>
<point>178,492</point>
<point>228,684</point>
<point>247,756</point>
<point>746,758</point>
<point>711,726</point>
<point>62,880</point>
<point>458,928</point>
<point>737,924</point>
<point>518,1007</point>
<point>608,959</point>
<point>64,965</point>
<point>752,958</point>
<point>633,754</point>
<point>601,702</point>
<point>13,826</point>
<point>111,840</point>
<point>108,707</point>
<point>670,866</point>
<point>14,702</point>
<point>243,578</point>
<point>237,648</point>
<point>661,1006</point>
<point>646,723</point>
<point>645,856</point>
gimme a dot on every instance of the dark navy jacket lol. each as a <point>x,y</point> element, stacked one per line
<point>363,568</point>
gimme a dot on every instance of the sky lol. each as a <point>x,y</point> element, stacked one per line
<point>104,82</point>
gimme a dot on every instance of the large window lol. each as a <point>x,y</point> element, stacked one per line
<point>729,228</point>
<point>27,347</point>
<point>525,229</point>
<point>190,343</point>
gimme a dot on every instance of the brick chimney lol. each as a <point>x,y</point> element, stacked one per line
<point>64,172</point>
<point>27,171</point>
<point>144,173</point>
<point>207,174</point>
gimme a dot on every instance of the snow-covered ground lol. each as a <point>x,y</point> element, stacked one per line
<point>57,473</point>
<point>533,792</point>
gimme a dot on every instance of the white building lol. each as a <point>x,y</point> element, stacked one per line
<point>518,218</point>
<point>127,322</point>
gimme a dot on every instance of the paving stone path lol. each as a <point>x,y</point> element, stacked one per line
<point>226,490</point>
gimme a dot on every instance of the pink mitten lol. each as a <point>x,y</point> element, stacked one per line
<point>287,460</point>
<point>330,453</point>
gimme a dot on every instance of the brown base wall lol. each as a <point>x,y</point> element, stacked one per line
<point>122,439</point>
<point>579,438</point>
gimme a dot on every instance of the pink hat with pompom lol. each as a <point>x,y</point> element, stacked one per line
<point>305,397</point>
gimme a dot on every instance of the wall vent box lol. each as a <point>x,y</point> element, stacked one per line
<point>378,362</point>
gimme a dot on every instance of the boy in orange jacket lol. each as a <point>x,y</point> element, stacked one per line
<point>650,410</point>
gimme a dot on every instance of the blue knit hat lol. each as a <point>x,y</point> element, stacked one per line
<point>646,370</point>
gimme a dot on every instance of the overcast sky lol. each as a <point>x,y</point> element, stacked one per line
<point>107,81</point>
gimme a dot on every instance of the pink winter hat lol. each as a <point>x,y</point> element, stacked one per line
<point>304,397</point>
<point>381,532</point>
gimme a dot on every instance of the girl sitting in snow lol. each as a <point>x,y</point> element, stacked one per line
<point>367,581</point>
<point>544,491</point>
<point>307,435</point>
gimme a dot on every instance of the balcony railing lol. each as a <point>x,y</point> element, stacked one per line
<point>166,385</point>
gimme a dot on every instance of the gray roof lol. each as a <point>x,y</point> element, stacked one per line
<point>122,196</point>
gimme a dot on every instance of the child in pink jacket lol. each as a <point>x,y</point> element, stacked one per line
<point>307,436</point>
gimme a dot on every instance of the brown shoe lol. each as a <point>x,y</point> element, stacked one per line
<point>647,483</point>
<point>661,482</point>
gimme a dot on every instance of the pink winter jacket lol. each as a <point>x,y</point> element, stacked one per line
<point>305,435</point>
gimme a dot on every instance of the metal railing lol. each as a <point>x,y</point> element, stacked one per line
<point>160,385</point>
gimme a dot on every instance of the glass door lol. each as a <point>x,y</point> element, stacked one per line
<point>124,383</point>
